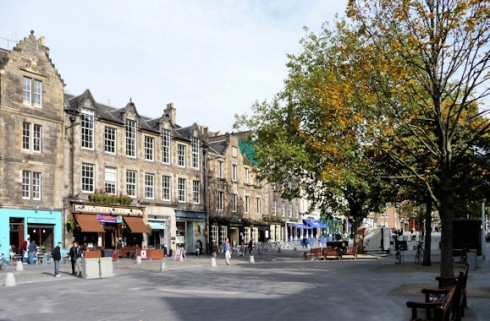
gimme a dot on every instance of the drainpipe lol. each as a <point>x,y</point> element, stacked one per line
<point>206,195</point>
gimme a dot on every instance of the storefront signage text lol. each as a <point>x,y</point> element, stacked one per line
<point>109,218</point>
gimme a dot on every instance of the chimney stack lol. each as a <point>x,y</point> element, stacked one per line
<point>170,112</point>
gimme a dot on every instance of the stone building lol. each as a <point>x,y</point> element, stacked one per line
<point>240,206</point>
<point>148,173</point>
<point>31,146</point>
<point>73,169</point>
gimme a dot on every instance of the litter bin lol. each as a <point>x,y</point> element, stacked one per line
<point>107,253</point>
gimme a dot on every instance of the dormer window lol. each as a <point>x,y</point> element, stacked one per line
<point>130,138</point>
<point>87,119</point>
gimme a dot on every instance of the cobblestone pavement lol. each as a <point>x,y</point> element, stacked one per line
<point>279,286</point>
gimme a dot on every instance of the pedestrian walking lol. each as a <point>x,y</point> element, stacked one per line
<point>56,254</point>
<point>227,252</point>
<point>250,246</point>
<point>76,259</point>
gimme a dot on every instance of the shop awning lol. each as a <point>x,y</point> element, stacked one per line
<point>88,223</point>
<point>136,224</point>
<point>315,224</point>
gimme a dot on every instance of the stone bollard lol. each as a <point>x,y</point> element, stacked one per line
<point>278,250</point>
<point>252,260</point>
<point>163,266</point>
<point>213,261</point>
<point>138,260</point>
<point>19,266</point>
<point>9,279</point>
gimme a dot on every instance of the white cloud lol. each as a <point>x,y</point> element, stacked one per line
<point>212,59</point>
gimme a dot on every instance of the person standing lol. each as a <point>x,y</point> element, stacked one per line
<point>32,251</point>
<point>56,254</point>
<point>250,246</point>
<point>24,250</point>
<point>227,252</point>
<point>74,254</point>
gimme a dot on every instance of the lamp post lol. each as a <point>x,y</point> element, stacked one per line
<point>483,230</point>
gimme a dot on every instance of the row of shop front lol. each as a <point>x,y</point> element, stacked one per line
<point>127,229</point>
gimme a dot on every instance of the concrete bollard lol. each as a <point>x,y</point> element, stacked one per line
<point>19,266</point>
<point>138,260</point>
<point>213,261</point>
<point>252,260</point>
<point>10,279</point>
<point>163,266</point>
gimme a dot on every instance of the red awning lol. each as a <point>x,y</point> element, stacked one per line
<point>88,223</point>
<point>136,224</point>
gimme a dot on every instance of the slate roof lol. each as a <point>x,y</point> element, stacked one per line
<point>114,115</point>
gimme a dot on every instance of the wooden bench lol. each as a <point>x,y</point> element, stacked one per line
<point>333,253</point>
<point>460,280</point>
<point>437,310</point>
<point>314,253</point>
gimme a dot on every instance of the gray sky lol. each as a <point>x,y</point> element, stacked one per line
<point>211,58</point>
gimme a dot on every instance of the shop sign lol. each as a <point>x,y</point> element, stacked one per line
<point>109,218</point>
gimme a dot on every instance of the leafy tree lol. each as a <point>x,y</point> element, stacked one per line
<point>307,140</point>
<point>426,64</point>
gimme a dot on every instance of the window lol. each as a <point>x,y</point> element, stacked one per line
<point>87,129</point>
<point>234,173</point>
<point>246,175</point>
<point>221,201</point>
<point>32,92</point>
<point>149,186</point>
<point>195,153</point>
<point>31,137</point>
<point>110,140</point>
<point>88,177</point>
<point>274,209</point>
<point>220,169</point>
<point>235,202</point>
<point>223,235</point>
<point>166,146</point>
<point>196,192</point>
<point>283,209</point>
<point>110,181</point>
<point>290,210</point>
<point>166,188</point>
<point>131,183</point>
<point>130,138</point>
<point>181,155</point>
<point>214,234</point>
<point>257,205</point>
<point>31,185</point>
<point>181,189</point>
<point>297,210</point>
<point>149,144</point>
<point>234,151</point>
<point>247,204</point>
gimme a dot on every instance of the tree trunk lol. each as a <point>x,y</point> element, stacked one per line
<point>428,231</point>
<point>446,214</point>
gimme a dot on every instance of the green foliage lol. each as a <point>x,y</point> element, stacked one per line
<point>104,198</point>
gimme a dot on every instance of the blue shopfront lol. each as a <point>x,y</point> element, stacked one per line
<point>16,225</point>
<point>190,228</point>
